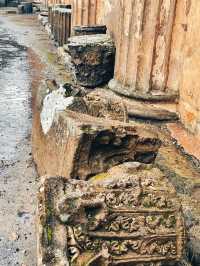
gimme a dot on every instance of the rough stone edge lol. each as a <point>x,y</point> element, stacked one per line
<point>117,87</point>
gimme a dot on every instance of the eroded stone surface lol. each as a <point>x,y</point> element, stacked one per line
<point>101,104</point>
<point>78,146</point>
<point>126,216</point>
<point>93,59</point>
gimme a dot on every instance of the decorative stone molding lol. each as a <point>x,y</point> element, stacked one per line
<point>143,49</point>
<point>126,216</point>
<point>83,147</point>
<point>69,125</point>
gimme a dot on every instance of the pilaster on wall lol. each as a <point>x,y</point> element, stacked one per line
<point>86,12</point>
<point>143,48</point>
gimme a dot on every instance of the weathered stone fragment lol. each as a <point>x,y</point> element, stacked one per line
<point>127,216</point>
<point>136,109</point>
<point>99,105</point>
<point>77,146</point>
<point>93,59</point>
<point>89,30</point>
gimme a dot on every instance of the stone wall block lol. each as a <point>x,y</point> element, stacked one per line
<point>80,136</point>
<point>77,147</point>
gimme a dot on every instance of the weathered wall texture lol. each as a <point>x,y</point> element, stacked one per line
<point>189,104</point>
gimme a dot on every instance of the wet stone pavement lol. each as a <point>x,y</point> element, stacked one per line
<point>14,94</point>
<point>17,172</point>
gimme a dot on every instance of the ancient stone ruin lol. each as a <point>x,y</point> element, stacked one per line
<point>101,200</point>
<point>93,57</point>
<point>128,215</point>
<point>80,136</point>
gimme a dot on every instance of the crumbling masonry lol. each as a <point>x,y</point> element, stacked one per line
<point>102,201</point>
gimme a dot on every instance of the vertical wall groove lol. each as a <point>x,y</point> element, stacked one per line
<point>147,46</point>
<point>163,41</point>
<point>135,39</point>
<point>177,46</point>
<point>85,12</point>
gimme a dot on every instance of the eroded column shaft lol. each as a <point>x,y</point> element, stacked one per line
<point>143,46</point>
<point>85,12</point>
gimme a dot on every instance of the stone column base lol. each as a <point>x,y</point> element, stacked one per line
<point>170,96</point>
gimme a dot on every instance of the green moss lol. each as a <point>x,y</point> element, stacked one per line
<point>51,57</point>
<point>147,205</point>
<point>99,177</point>
<point>49,232</point>
<point>173,220</point>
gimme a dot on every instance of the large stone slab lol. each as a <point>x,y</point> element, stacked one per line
<point>127,216</point>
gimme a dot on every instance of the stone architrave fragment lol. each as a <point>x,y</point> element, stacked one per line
<point>93,58</point>
<point>127,216</point>
<point>79,146</point>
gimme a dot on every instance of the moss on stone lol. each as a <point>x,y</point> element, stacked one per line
<point>49,232</point>
<point>99,177</point>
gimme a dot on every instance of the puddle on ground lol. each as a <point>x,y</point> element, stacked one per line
<point>14,95</point>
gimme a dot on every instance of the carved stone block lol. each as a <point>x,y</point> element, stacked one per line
<point>93,58</point>
<point>127,216</point>
<point>79,146</point>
